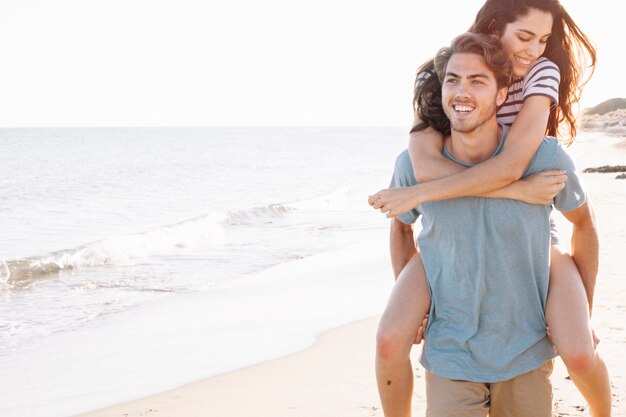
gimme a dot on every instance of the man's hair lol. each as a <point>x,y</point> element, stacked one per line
<point>429,107</point>
<point>487,46</point>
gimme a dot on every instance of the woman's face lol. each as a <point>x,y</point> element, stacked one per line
<point>524,40</point>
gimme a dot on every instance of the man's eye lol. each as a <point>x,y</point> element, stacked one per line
<point>450,81</point>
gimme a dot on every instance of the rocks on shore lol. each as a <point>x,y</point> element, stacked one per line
<point>609,169</point>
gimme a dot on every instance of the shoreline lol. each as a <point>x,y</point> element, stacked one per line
<point>191,337</point>
<point>332,378</point>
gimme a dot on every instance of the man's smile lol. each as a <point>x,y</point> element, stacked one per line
<point>462,108</point>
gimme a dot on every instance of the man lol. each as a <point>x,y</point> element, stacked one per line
<point>487,260</point>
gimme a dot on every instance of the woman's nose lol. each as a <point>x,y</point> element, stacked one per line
<point>534,49</point>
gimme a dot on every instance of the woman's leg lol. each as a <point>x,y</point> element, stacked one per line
<point>567,314</point>
<point>407,306</point>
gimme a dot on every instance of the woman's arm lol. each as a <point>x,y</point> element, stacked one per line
<point>425,150</point>
<point>539,188</point>
<point>522,141</point>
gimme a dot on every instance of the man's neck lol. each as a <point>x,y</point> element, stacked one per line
<point>476,146</point>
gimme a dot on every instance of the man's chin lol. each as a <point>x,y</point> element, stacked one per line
<point>463,127</point>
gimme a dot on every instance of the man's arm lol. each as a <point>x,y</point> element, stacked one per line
<point>401,245</point>
<point>585,246</point>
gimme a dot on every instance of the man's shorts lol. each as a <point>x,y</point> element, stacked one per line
<point>526,395</point>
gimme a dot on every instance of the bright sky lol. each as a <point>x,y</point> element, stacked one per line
<point>242,62</point>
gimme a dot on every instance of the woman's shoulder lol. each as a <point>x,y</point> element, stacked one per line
<point>542,60</point>
<point>543,67</point>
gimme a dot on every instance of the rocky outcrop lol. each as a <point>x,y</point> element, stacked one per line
<point>607,106</point>
<point>607,168</point>
<point>613,122</point>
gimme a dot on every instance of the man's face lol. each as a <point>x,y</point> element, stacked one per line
<point>469,92</point>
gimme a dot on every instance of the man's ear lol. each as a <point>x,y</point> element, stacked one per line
<point>501,96</point>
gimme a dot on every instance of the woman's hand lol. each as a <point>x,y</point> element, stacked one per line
<point>394,201</point>
<point>539,188</point>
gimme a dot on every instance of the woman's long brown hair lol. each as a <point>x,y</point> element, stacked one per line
<point>568,47</point>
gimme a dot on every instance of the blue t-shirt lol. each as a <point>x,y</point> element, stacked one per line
<point>487,263</point>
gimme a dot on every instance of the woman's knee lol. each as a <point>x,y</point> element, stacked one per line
<point>580,361</point>
<point>392,344</point>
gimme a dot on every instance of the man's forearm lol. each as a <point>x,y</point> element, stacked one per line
<point>401,245</point>
<point>585,251</point>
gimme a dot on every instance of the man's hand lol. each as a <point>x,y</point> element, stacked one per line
<point>596,339</point>
<point>420,332</point>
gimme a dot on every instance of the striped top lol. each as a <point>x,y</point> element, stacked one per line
<point>542,79</point>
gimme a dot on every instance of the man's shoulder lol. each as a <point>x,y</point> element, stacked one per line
<point>403,169</point>
<point>550,155</point>
<point>403,159</point>
<point>550,146</point>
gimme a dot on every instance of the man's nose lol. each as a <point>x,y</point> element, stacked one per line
<point>462,90</point>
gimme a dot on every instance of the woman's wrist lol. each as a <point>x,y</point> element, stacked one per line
<point>513,191</point>
<point>417,195</point>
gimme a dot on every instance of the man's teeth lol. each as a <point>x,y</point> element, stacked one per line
<point>463,108</point>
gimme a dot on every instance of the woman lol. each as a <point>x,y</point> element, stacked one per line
<point>544,45</point>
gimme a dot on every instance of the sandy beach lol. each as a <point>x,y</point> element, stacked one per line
<point>335,377</point>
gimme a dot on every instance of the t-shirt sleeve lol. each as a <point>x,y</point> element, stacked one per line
<point>403,177</point>
<point>543,79</point>
<point>573,195</point>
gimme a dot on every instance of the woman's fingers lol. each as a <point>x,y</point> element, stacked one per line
<point>377,201</point>
<point>372,199</point>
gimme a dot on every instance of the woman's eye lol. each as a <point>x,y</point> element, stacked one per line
<point>523,39</point>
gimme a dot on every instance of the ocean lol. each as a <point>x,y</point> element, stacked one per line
<point>134,260</point>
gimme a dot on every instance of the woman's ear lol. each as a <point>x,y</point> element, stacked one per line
<point>492,28</point>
